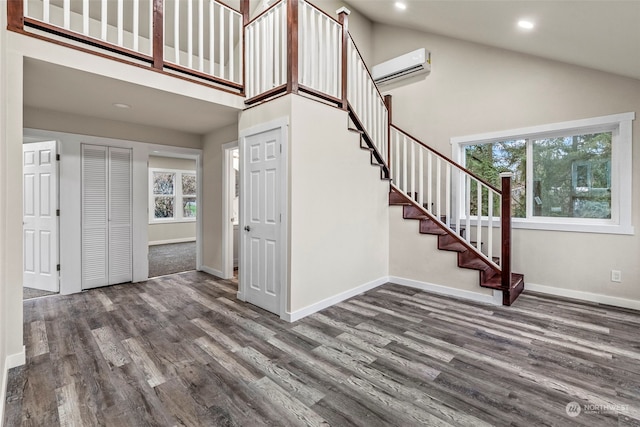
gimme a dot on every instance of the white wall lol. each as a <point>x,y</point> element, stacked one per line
<point>338,216</point>
<point>212,203</point>
<point>338,207</point>
<point>177,231</point>
<point>360,27</point>
<point>37,118</point>
<point>474,89</point>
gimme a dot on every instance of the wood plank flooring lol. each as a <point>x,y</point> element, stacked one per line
<point>182,350</point>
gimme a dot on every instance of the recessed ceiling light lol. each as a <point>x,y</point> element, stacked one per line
<point>525,24</point>
<point>400,5</point>
<point>121,105</point>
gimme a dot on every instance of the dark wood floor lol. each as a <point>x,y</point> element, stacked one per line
<point>181,350</point>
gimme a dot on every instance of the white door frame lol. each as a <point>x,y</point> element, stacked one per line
<point>227,226</point>
<point>283,125</point>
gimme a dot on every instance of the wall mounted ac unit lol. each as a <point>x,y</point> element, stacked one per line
<point>404,66</point>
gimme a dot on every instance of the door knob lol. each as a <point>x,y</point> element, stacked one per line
<point>247,228</point>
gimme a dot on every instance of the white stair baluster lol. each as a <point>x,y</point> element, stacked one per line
<point>420,176</point>
<point>479,223</point>
<point>120,24</point>
<point>136,24</point>
<point>221,47</point>
<point>85,16</point>
<point>467,207</point>
<point>66,9</point>
<point>429,182</point>
<point>104,18</point>
<point>176,30</point>
<point>212,59</point>
<point>447,191</point>
<point>490,225</point>
<point>200,35</point>
<point>439,188</point>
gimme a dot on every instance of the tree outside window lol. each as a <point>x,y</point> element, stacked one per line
<point>173,195</point>
<point>570,175</point>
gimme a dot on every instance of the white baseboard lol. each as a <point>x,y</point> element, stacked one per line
<point>166,242</point>
<point>11,361</point>
<point>15,360</point>
<point>584,296</point>
<point>328,302</point>
<point>494,299</point>
<point>212,271</point>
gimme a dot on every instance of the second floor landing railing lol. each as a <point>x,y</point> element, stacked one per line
<point>201,38</point>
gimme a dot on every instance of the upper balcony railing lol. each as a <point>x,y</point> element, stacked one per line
<point>202,38</point>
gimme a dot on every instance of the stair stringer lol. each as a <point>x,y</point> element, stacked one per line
<point>467,256</point>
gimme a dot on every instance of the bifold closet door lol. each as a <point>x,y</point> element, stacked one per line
<point>106,216</point>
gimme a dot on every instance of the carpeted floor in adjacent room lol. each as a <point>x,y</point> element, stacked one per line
<point>171,258</point>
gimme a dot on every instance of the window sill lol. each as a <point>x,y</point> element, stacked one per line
<point>171,221</point>
<point>573,228</point>
<point>551,225</point>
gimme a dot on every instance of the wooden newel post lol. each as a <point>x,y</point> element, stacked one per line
<point>245,10</point>
<point>343,18</point>
<point>158,34</point>
<point>15,15</point>
<point>389,105</point>
<point>505,226</point>
<point>292,46</point>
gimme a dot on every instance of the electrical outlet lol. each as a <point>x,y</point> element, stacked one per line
<point>616,276</point>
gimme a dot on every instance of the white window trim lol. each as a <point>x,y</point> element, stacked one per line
<point>177,208</point>
<point>621,171</point>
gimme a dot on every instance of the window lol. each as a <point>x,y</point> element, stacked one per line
<point>571,176</point>
<point>172,196</point>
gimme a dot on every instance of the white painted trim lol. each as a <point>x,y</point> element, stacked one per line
<point>169,241</point>
<point>10,362</point>
<point>621,127</point>
<point>177,194</point>
<point>211,271</point>
<point>328,302</point>
<point>228,263</point>
<point>17,359</point>
<point>494,299</point>
<point>541,130</point>
<point>584,296</point>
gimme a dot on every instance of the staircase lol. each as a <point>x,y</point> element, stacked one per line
<point>489,276</point>
<point>294,47</point>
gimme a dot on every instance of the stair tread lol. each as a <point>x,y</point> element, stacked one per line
<point>475,264</point>
<point>496,281</point>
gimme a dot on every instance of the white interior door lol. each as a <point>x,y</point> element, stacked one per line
<point>94,216</point>
<point>260,220</point>
<point>120,204</point>
<point>40,221</point>
<point>106,216</point>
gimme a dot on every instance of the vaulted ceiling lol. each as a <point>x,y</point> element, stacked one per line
<point>599,34</point>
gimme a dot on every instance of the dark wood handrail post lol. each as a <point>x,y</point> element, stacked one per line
<point>292,46</point>
<point>246,17</point>
<point>343,18</point>
<point>15,15</point>
<point>389,105</point>
<point>158,34</point>
<point>505,225</point>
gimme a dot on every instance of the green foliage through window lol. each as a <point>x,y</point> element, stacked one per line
<point>571,175</point>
